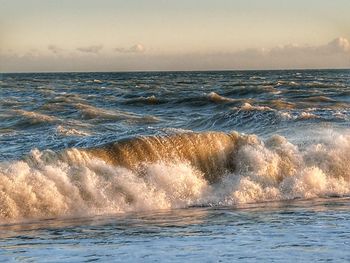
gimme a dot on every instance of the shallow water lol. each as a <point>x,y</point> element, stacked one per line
<point>249,165</point>
<point>311,230</point>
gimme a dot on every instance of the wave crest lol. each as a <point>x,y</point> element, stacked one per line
<point>83,182</point>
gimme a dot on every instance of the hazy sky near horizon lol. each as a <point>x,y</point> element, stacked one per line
<point>104,35</point>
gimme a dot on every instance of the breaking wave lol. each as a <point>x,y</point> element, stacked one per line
<point>214,97</point>
<point>181,170</point>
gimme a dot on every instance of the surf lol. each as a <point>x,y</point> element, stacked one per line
<point>210,152</point>
<point>176,171</point>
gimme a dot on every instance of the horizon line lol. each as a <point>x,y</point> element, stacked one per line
<point>165,71</point>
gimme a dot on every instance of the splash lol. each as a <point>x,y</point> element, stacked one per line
<point>210,152</point>
<point>94,182</point>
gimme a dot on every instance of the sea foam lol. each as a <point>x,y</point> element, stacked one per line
<point>78,183</point>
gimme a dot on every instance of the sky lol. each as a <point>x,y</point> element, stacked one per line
<point>142,35</point>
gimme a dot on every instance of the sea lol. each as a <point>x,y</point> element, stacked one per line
<point>209,166</point>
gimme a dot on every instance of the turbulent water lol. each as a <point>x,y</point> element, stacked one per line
<point>211,146</point>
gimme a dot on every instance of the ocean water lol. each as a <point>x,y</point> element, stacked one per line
<point>174,166</point>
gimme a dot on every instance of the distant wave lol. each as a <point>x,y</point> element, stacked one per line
<point>243,95</point>
<point>307,115</point>
<point>144,100</point>
<point>319,99</point>
<point>9,102</point>
<point>249,107</point>
<point>91,112</point>
<point>70,131</point>
<point>286,83</point>
<point>35,117</point>
<point>214,97</point>
<point>207,99</point>
<point>280,104</point>
<point>174,171</point>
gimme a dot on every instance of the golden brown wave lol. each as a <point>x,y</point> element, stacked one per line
<point>210,152</point>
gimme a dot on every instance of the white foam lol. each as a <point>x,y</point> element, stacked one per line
<point>248,107</point>
<point>307,116</point>
<point>70,131</point>
<point>47,184</point>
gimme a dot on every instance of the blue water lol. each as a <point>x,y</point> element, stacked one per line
<point>300,231</point>
<point>285,199</point>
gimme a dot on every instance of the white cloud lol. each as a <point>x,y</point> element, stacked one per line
<point>337,46</point>
<point>340,44</point>
<point>138,48</point>
<point>90,49</point>
<point>334,54</point>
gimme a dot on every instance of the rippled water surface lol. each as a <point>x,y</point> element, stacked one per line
<point>304,231</point>
<point>207,166</point>
<point>84,109</point>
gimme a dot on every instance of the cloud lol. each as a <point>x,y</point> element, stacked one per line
<point>138,48</point>
<point>340,44</point>
<point>334,54</point>
<point>54,49</point>
<point>337,46</point>
<point>90,49</point>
